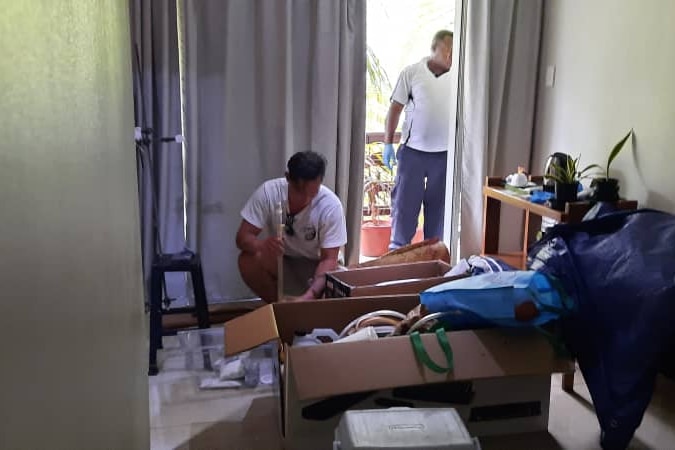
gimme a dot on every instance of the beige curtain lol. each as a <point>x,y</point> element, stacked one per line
<point>498,78</point>
<point>264,79</point>
<point>157,106</point>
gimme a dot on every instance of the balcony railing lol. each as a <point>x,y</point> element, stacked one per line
<point>378,180</point>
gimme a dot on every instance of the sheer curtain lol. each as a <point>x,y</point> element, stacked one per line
<point>157,100</point>
<point>265,79</point>
<point>498,78</point>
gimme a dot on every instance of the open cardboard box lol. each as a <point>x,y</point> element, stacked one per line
<point>510,363</point>
<point>396,279</point>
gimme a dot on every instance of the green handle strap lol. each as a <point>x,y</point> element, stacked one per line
<point>423,356</point>
<point>556,342</point>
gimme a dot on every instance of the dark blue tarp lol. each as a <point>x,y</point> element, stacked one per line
<point>620,270</point>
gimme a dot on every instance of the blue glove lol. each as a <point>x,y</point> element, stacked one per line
<point>540,197</point>
<point>389,155</point>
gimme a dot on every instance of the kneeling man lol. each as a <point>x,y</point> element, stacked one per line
<point>314,232</point>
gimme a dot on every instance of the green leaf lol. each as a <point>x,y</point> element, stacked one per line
<point>615,151</point>
<point>557,179</point>
<point>565,174</point>
<point>587,168</point>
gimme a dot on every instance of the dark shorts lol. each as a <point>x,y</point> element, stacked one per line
<point>298,274</point>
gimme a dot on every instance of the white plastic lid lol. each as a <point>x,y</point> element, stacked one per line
<point>403,429</point>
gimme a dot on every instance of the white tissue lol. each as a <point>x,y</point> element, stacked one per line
<point>215,383</point>
<point>232,370</point>
<point>364,334</point>
<point>459,269</point>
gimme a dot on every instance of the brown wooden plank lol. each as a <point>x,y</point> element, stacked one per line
<point>491,222</point>
<point>526,236</point>
<point>505,197</point>
<point>533,228</point>
<point>218,313</point>
<point>378,136</point>
<point>494,181</point>
<point>576,211</point>
<point>513,259</point>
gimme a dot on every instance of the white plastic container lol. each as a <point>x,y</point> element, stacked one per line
<point>202,347</point>
<point>315,337</point>
<point>403,429</point>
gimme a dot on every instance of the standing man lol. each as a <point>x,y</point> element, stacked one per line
<point>424,90</point>
<point>314,231</point>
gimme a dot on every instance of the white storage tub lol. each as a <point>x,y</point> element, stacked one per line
<point>403,429</point>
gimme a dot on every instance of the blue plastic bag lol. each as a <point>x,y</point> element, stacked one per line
<point>620,269</point>
<point>491,299</point>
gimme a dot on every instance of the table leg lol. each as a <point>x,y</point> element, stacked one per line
<point>532,226</point>
<point>568,382</point>
<point>491,217</point>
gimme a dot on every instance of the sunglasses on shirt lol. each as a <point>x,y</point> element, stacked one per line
<point>288,224</point>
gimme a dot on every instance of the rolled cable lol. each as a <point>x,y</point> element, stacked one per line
<point>384,312</point>
<point>429,317</point>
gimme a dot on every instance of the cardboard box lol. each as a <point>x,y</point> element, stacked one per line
<point>499,364</point>
<point>488,407</point>
<point>414,278</point>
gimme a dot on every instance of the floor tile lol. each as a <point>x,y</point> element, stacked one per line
<point>170,438</point>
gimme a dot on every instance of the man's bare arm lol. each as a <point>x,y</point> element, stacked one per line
<point>328,263</point>
<point>248,242</point>
<point>247,238</point>
<point>391,122</point>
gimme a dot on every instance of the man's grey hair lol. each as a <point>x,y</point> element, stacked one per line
<point>439,37</point>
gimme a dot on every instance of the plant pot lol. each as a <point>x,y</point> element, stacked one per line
<point>605,189</point>
<point>565,193</point>
<point>375,238</point>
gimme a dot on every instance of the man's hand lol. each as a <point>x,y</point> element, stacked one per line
<point>296,299</point>
<point>272,247</point>
<point>389,155</point>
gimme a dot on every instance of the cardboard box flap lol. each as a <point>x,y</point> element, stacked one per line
<point>333,369</point>
<point>372,275</point>
<point>282,320</point>
<point>250,330</point>
<point>334,313</point>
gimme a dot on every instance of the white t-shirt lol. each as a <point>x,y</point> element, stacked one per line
<point>320,225</point>
<point>427,107</point>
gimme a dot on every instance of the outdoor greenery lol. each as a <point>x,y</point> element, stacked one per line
<point>378,89</point>
<point>377,184</point>
<point>399,33</point>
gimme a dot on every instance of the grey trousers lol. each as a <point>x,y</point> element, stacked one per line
<point>420,180</point>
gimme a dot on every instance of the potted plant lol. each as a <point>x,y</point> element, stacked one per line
<point>606,189</point>
<point>567,179</point>
<point>378,183</point>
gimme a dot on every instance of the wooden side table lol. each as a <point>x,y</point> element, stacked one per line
<point>495,194</point>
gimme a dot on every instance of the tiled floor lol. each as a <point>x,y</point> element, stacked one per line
<point>183,417</point>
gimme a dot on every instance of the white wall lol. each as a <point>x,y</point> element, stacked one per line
<point>615,69</point>
<point>72,335</point>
